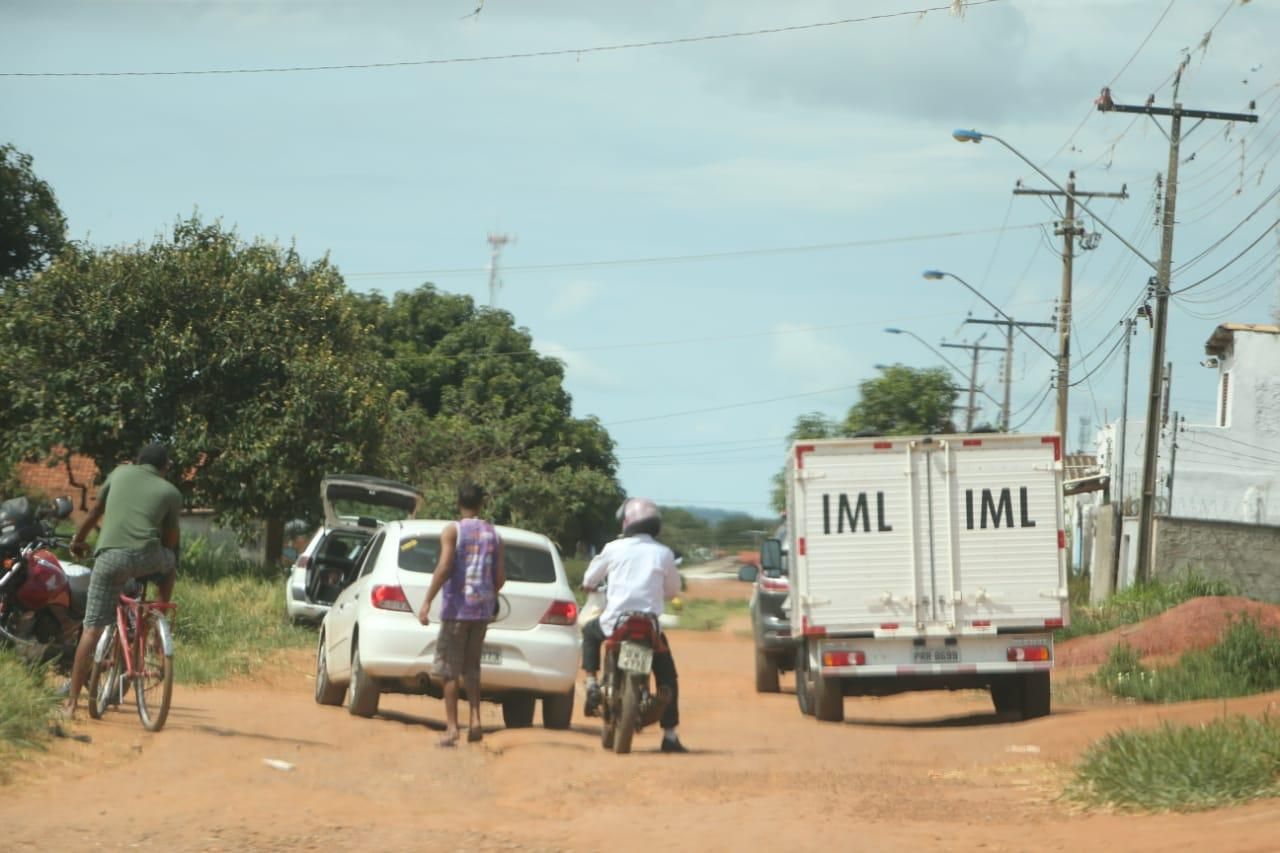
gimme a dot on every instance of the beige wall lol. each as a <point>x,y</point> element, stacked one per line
<point>1245,555</point>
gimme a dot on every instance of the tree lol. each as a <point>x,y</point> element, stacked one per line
<point>248,361</point>
<point>808,425</point>
<point>474,400</point>
<point>904,401</point>
<point>32,228</point>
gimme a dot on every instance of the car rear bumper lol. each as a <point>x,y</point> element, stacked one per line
<point>543,659</point>
<point>774,634</point>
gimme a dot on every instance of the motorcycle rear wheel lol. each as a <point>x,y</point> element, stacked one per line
<point>105,675</point>
<point>628,715</point>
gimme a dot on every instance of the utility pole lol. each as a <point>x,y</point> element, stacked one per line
<point>1118,490</point>
<point>496,242</point>
<point>973,374</point>
<point>1162,286</point>
<point>1009,326</point>
<point>1068,229</point>
<point>1173,458</point>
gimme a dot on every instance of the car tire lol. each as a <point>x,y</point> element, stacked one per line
<point>363,691</point>
<point>557,709</point>
<point>1035,696</point>
<point>804,688</point>
<point>517,710</point>
<point>327,693</point>
<point>766,673</point>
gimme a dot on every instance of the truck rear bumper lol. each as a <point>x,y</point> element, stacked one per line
<point>939,657</point>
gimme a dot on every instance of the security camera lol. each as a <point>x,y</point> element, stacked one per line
<point>1211,361</point>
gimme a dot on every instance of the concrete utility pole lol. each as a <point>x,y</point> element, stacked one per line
<point>1068,229</point>
<point>1162,286</point>
<point>1118,489</point>
<point>1173,458</point>
<point>496,242</point>
<point>1009,325</point>
<point>973,374</point>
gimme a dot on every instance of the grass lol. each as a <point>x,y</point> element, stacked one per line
<point>1182,768</point>
<point>1135,604</point>
<point>1245,661</point>
<point>706,614</point>
<point>27,703</point>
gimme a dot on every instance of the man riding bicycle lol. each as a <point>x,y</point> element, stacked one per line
<point>641,573</point>
<point>139,510</point>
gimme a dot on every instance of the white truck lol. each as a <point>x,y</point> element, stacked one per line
<point>925,563</point>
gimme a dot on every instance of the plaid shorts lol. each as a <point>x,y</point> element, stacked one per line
<point>458,649</point>
<point>115,567</point>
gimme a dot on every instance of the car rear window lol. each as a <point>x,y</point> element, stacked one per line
<point>525,564</point>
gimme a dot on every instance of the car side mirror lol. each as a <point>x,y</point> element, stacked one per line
<point>748,572</point>
<point>771,556</point>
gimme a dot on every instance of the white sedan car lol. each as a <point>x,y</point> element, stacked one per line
<point>372,643</point>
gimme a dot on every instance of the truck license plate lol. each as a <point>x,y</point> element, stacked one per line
<point>635,657</point>
<point>948,654</point>
<point>489,654</point>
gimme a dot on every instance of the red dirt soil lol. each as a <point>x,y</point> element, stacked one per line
<point>1194,624</point>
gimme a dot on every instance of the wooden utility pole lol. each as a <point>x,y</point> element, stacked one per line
<point>973,374</point>
<point>1009,326</point>
<point>1160,321</point>
<point>1068,229</point>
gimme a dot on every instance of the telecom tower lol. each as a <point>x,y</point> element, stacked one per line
<point>496,242</point>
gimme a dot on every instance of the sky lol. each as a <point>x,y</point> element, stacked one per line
<point>711,234</point>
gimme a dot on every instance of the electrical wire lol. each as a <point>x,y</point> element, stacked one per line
<point>1227,438</point>
<point>1029,417</point>
<point>1241,254</point>
<point>532,54</point>
<point>1216,243</point>
<point>1106,359</point>
<point>728,406</point>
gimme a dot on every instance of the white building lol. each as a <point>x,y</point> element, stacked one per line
<point>1228,470</point>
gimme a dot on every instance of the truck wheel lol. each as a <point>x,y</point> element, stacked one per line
<point>1035,695</point>
<point>828,701</point>
<point>804,694</point>
<point>1006,695</point>
<point>766,673</point>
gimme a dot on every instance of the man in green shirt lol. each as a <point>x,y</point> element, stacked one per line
<point>139,512</point>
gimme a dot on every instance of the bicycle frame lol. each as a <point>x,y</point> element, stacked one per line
<point>136,607</point>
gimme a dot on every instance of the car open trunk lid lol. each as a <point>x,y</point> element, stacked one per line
<point>357,500</point>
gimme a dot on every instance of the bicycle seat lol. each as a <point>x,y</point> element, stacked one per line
<point>134,586</point>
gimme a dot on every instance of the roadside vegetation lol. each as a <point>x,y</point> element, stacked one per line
<point>1134,604</point>
<point>1182,768</point>
<point>27,704</point>
<point>1246,660</point>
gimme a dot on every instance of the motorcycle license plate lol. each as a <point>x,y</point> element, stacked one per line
<point>635,657</point>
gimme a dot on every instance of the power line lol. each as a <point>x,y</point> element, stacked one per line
<point>731,406</point>
<point>704,256</point>
<point>532,54</point>
<point>1242,253</point>
<point>1047,393</point>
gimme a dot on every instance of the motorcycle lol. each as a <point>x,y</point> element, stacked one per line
<point>628,698</point>
<point>42,601</point>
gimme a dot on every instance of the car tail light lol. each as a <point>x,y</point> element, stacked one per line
<point>390,597</point>
<point>1017,654</point>
<point>560,613</point>
<point>843,658</point>
<point>774,584</point>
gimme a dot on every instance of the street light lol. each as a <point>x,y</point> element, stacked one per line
<point>1010,324</point>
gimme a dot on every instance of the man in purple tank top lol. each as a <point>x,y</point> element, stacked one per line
<point>468,575</point>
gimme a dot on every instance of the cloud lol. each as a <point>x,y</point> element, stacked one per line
<point>811,359</point>
<point>572,297</point>
<point>578,368</point>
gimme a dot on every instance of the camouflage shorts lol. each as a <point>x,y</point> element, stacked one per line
<point>458,649</point>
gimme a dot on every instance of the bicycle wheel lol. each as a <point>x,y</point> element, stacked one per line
<point>154,685</point>
<point>106,674</point>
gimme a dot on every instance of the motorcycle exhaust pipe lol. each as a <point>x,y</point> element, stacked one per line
<point>657,705</point>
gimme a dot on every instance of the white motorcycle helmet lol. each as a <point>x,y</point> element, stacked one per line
<point>639,516</point>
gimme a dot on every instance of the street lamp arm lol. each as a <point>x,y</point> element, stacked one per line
<point>977,136</point>
<point>994,307</point>
<point>948,361</point>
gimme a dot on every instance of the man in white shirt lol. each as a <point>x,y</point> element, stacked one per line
<point>641,574</point>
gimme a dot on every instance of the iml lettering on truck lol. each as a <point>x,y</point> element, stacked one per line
<point>997,509</point>
<point>853,512</point>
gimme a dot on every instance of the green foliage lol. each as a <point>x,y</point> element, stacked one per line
<point>1138,603</point>
<point>1245,661</point>
<point>806,426</point>
<point>27,705</point>
<point>32,228</point>
<point>705,614</point>
<point>1182,768</point>
<point>904,401</point>
<point>248,361</point>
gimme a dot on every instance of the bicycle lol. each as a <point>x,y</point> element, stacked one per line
<point>137,649</point>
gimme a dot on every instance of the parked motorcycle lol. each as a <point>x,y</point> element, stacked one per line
<point>629,698</point>
<point>42,600</point>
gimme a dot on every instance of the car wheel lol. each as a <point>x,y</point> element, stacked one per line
<point>327,693</point>
<point>363,691</point>
<point>766,673</point>
<point>517,710</point>
<point>804,687</point>
<point>557,709</point>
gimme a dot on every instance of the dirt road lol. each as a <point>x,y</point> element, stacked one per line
<point>929,771</point>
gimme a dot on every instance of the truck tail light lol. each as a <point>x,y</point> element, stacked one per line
<point>1018,654</point>
<point>560,613</point>
<point>389,597</point>
<point>1053,623</point>
<point>844,658</point>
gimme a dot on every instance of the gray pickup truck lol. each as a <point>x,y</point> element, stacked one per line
<point>771,625</point>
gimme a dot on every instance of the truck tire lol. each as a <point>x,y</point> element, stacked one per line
<point>1006,695</point>
<point>766,673</point>
<point>828,701</point>
<point>804,689</point>
<point>1035,695</point>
